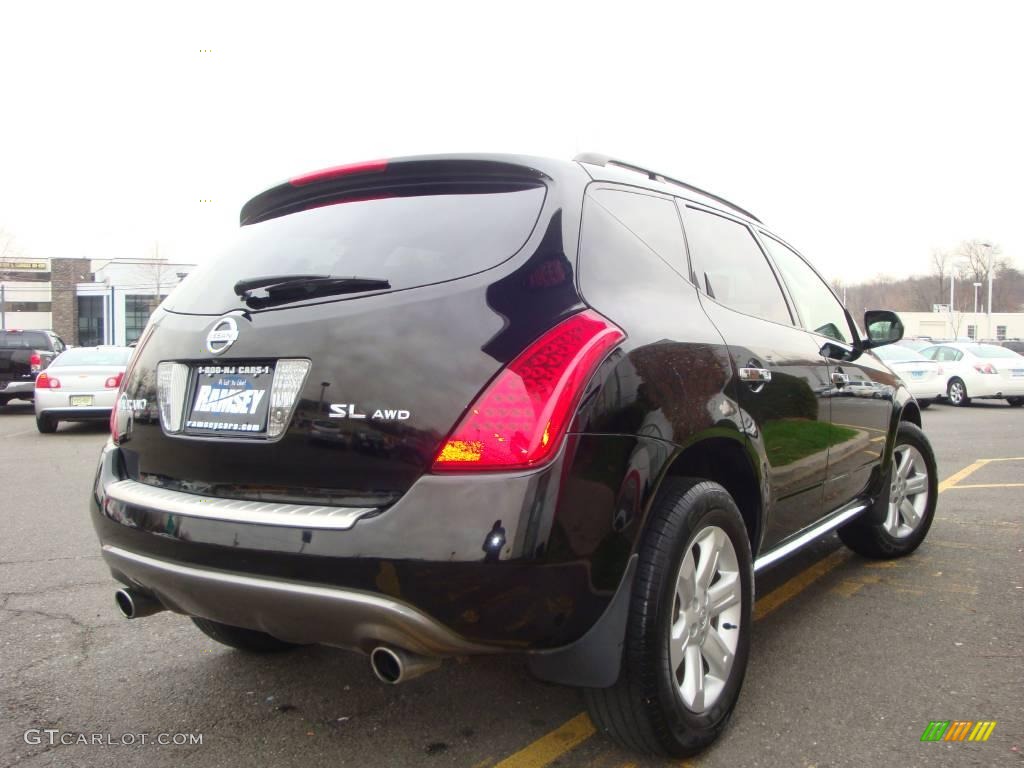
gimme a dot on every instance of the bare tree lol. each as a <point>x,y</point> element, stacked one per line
<point>9,248</point>
<point>940,268</point>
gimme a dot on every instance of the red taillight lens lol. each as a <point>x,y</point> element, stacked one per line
<point>985,368</point>
<point>114,382</point>
<point>44,381</point>
<point>371,166</point>
<point>36,362</point>
<point>521,417</point>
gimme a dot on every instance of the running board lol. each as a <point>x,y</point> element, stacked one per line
<point>820,529</point>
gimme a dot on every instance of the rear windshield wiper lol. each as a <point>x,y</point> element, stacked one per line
<point>284,288</point>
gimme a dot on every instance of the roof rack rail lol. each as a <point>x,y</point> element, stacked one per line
<point>594,158</point>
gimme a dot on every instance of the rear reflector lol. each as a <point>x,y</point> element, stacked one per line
<point>521,417</point>
<point>371,166</point>
<point>44,381</point>
<point>113,382</point>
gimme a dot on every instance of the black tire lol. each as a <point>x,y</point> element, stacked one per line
<point>46,424</point>
<point>1015,402</point>
<point>244,639</point>
<point>644,710</point>
<point>924,404</point>
<point>874,539</point>
<point>4,401</point>
<point>956,391</point>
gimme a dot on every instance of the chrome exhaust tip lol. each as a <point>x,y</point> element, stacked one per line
<point>394,666</point>
<point>134,604</point>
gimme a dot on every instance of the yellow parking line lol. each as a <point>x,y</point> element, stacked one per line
<point>551,746</point>
<point>798,583</point>
<point>985,485</point>
<point>1007,458</point>
<point>967,471</point>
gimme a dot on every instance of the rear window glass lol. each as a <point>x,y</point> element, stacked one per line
<point>24,340</point>
<point>895,353</point>
<point>986,350</point>
<point>408,240</point>
<point>87,356</point>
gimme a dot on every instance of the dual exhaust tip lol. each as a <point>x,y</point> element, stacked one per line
<point>390,665</point>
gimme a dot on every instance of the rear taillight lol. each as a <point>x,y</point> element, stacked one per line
<point>36,362</point>
<point>113,382</point>
<point>44,381</point>
<point>519,420</point>
<point>985,368</point>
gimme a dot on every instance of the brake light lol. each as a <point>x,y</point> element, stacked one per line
<point>44,381</point>
<point>985,368</point>
<point>519,420</point>
<point>113,382</point>
<point>326,174</point>
<point>35,362</point>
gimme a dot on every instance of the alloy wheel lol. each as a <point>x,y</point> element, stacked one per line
<point>908,491</point>
<point>706,614</point>
<point>957,393</point>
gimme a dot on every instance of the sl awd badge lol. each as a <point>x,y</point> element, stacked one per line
<point>349,411</point>
<point>222,335</point>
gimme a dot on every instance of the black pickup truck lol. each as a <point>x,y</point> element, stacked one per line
<point>23,354</point>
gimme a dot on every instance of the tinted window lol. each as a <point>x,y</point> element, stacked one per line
<point>101,356</point>
<point>24,340</point>
<point>819,309</point>
<point>730,267</point>
<point>409,240</point>
<point>894,353</point>
<point>653,220</point>
<point>990,350</point>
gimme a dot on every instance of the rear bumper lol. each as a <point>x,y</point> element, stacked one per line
<point>75,414</point>
<point>296,612</point>
<point>420,574</point>
<point>18,388</point>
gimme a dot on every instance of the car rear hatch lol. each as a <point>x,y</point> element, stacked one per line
<point>335,391</point>
<point>16,350</point>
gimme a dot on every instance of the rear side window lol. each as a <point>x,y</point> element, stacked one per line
<point>652,220</point>
<point>819,309</point>
<point>406,238</point>
<point>24,340</point>
<point>731,268</point>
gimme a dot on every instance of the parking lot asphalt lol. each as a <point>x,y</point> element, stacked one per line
<point>851,658</point>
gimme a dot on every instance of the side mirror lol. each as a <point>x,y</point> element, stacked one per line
<point>883,327</point>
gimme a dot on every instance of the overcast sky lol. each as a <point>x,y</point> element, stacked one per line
<point>866,136</point>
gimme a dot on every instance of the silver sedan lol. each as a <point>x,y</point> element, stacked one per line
<point>81,384</point>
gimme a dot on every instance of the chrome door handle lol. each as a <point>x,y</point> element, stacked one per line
<point>839,379</point>
<point>755,375</point>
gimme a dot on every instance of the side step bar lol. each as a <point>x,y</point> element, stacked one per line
<point>845,514</point>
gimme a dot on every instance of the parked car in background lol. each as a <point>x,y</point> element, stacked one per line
<point>922,375</point>
<point>80,385</point>
<point>977,371</point>
<point>917,344</point>
<point>23,354</point>
<point>1015,344</point>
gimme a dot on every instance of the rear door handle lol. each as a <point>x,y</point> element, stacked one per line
<point>755,375</point>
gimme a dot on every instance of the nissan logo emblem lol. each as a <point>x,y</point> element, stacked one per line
<point>223,334</point>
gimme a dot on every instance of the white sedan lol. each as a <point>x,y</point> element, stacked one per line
<point>975,370</point>
<point>79,385</point>
<point>922,375</point>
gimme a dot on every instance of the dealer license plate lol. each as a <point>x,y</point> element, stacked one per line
<point>230,399</point>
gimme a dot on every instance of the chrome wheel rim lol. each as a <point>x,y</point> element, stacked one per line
<point>705,625</point>
<point>908,492</point>
<point>956,392</point>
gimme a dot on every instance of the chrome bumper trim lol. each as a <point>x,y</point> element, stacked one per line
<point>235,510</point>
<point>292,611</point>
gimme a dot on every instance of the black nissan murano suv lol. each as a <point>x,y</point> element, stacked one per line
<point>470,404</point>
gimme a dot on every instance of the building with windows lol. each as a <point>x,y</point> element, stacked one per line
<point>964,325</point>
<point>86,301</point>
